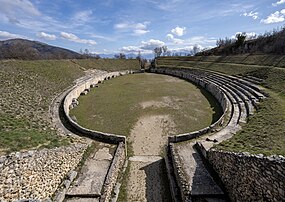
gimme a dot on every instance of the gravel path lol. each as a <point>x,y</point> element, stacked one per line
<point>147,179</point>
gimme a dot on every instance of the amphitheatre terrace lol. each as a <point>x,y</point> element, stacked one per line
<point>191,129</point>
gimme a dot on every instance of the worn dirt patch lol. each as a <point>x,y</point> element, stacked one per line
<point>147,177</point>
<point>150,134</point>
<point>146,181</point>
<point>166,101</point>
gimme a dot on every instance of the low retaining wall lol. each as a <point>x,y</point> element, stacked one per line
<point>114,170</point>
<point>85,86</point>
<point>37,174</point>
<point>210,87</point>
<point>250,177</point>
<point>120,154</point>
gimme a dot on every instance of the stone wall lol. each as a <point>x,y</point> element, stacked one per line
<point>120,154</point>
<point>85,86</point>
<point>250,177</point>
<point>36,174</point>
<point>114,170</point>
<point>210,87</point>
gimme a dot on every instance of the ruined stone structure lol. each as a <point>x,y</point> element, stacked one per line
<point>242,177</point>
<point>190,177</point>
<point>118,160</point>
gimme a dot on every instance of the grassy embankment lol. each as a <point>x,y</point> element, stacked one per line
<point>27,89</point>
<point>265,131</point>
<point>117,104</point>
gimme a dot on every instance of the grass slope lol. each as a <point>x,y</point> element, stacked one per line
<point>264,132</point>
<point>116,105</point>
<point>27,89</point>
<point>108,64</point>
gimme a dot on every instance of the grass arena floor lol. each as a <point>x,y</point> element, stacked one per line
<point>117,105</point>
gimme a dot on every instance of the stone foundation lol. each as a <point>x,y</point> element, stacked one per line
<point>36,174</point>
<point>250,177</point>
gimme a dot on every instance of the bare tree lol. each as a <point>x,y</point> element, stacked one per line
<point>157,51</point>
<point>120,56</point>
<point>196,49</point>
<point>164,49</point>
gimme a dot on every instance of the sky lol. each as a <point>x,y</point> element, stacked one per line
<point>133,26</point>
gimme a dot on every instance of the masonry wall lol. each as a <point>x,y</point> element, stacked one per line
<point>114,170</point>
<point>250,177</point>
<point>75,93</point>
<point>215,91</point>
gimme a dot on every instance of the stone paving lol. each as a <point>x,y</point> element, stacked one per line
<point>92,175</point>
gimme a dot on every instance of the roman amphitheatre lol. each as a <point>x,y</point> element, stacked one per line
<point>195,128</point>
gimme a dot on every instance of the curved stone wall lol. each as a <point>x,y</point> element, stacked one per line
<point>84,88</point>
<point>211,88</point>
<point>119,158</point>
<point>244,176</point>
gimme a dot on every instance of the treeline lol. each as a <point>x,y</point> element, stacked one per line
<point>269,43</point>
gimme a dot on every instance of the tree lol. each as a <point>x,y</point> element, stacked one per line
<point>157,51</point>
<point>164,49</point>
<point>120,56</point>
<point>240,39</point>
<point>139,56</point>
<point>196,49</point>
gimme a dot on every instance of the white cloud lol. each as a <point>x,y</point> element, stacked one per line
<point>166,5</point>
<point>186,48</point>
<point>249,35</point>
<point>146,47</point>
<point>276,17</point>
<point>83,16</point>
<point>278,3</point>
<point>131,49</point>
<point>8,35</point>
<point>151,44</point>
<point>136,28</point>
<point>74,38</point>
<point>179,31</point>
<point>171,38</point>
<point>139,32</point>
<point>46,36</point>
<point>201,40</point>
<point>13,10</point>
<point>252,14</point>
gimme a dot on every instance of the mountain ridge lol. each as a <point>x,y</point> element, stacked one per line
<point>33,50</point>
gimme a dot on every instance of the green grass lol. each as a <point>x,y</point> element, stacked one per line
<point>27,90</point>
<point>115,106</point>
<point>109,64</point>
<point>264,132</point>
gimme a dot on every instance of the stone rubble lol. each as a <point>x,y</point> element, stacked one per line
<point>36,175</point>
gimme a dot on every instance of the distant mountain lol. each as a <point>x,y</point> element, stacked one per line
<point>33,50</point>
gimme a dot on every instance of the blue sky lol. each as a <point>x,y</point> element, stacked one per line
<point>112,26</point>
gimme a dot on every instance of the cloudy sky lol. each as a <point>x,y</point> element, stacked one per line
<point>130,26</point>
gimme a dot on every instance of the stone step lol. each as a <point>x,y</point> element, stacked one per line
<point>197,181</point>
<point>147,158</point>
<point>253,89</point>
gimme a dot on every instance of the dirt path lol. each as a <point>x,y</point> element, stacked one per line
<point>147,178</point>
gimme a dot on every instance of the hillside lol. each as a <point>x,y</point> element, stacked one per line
<point>264,132</point>
<point>31,50</point>
<point>268,43</point>
<point>27,90</point>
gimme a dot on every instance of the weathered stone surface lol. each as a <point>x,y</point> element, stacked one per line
<point>35,175</point>
<point>250,177</point>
